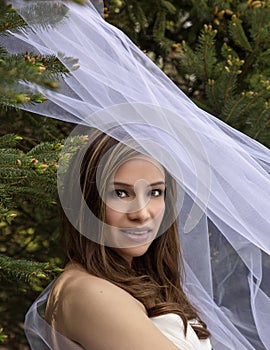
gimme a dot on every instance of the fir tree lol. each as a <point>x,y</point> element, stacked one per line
<point>217,52</point>
<point>30,254</point>
<point>230,66</point>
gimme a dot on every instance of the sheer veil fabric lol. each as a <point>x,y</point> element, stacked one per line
<point>222,175</point>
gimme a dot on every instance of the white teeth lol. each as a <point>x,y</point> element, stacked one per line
<point>137,236</point>
<point>137,233</point>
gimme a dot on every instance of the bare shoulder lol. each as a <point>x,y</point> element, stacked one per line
<point>99,315</point>
<point>77,285</point>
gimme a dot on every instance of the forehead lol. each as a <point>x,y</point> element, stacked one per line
<point>139,168</point>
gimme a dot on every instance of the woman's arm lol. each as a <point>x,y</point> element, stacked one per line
<point>100,316</point>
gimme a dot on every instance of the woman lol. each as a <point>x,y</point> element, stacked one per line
<point>115,294</point>
<point>222,177</point>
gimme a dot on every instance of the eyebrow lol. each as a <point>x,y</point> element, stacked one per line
<point>117,183</point>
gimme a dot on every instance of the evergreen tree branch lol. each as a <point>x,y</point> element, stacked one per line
<point>15,270</point>
<point>238,34</point>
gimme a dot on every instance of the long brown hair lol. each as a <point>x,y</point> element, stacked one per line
<point>154,278</point>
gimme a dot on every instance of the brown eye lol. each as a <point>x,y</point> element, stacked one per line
<point>119,194</point>
<point>156,193</point>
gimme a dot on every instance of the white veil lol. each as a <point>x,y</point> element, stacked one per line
<point>224,210</point>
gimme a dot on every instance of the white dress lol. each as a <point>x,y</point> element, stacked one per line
<point>171,325</point>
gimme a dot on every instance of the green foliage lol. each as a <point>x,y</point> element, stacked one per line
<point>218,52</point>
<point>23,176</point>
<point>226,71</point>
<point>30,177</point>
<point>30,249</point>
<point>8,18</point>
<point>203,57</point>
<point>14,270</point>
<point>31,67</point>
<point>3,336</point>
<point>145,22</point>
<point>238,34</point>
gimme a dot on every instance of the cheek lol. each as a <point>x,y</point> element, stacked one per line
<point>159,210</point>
<point>160,205</point>
<point>111,216</point>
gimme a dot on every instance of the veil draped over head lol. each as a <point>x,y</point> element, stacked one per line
<point>223,175</point>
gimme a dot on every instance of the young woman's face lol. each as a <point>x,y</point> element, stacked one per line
<point>135,205</point>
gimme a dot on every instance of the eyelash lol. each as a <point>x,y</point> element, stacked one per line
<point>115,193</point>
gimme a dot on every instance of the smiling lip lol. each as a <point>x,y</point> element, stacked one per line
<point>136,230</point>
<point>140,235</point>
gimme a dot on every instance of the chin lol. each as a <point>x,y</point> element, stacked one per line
<point>133,252</point>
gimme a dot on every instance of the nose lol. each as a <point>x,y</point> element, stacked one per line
<point>139,210</point>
